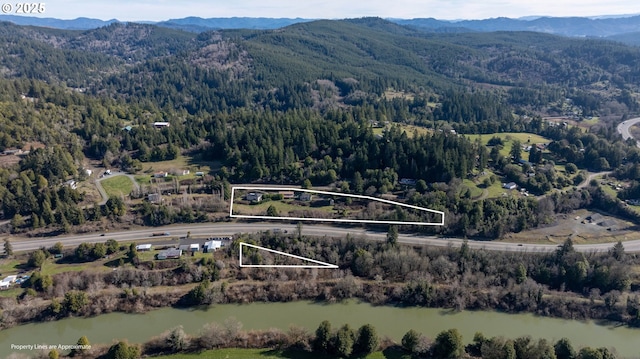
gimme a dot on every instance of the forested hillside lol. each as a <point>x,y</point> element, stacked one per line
<point>326,102</point>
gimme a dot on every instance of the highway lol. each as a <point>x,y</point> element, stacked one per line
<point>231,228</point>
<point>623,128</point>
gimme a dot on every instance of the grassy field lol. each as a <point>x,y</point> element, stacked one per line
<point>90,191</point>
<point>391,94</point>
<point>478,190</point>
<point>276,354</point>
<point>282,207</point>
<point>117,186</point>
<point>143,179</point>
<point>475,190</point>
<point>52,268</point>
<point>193,164</point>
<point>10,293</point>
<point>8,266</point>
<point>409,129</point>
<point>508,138</point>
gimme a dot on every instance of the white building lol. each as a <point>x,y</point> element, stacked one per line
<point>6,282</point>
<point>143,247</point>
<point>71,184</point>
<point>211,246</point>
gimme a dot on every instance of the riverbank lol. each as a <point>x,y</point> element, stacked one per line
<point>390,322</point>
<point>381,293</point>
<point>240,353</point>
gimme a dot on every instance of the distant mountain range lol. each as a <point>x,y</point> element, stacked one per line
<point>605,26</point>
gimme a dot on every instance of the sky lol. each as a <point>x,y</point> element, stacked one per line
<point>157,10</point>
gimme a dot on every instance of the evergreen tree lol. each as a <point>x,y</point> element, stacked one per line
<point>448,344</point>
<point>564,349</point>
<point>8,248</point>
<point>83,344</point>
<point>392,235</point>
<point>516,151</point>
<point>410,340</point>
<point>367,340</point>
<point>344,341</point>
<point>322,341</point>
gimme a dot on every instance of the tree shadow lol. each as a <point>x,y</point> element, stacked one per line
<point>396,352</point>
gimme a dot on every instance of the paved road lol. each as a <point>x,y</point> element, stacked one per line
<point>623,128</point>
<point>223,229</point>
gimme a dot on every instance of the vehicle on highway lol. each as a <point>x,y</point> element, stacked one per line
<point>158,234</point>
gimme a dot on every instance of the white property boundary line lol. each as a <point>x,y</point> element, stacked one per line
<point>333,219</point>
<point>319,263</point>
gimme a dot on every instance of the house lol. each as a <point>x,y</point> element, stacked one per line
<point>211,246</point>
<point>510,185</point>
<point>254,197</point>
<point>71,184</point>
<point>6,282</point>
<point>160,174</point>
<point>12,151</point>
<point>287,194</point>
<point>161,124</point>
<point>194,247</point>
<point>171,253</point>
<point>154,198</point>
<point>143,247</point>
<point>127,128</point>
<point>306,196</point>
<point>407,182</point>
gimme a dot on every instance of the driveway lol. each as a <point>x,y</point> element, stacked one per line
<point>103,193</point>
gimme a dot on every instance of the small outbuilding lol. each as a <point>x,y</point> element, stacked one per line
<point>143,247</point>
<point>211,246</point>
<point>171,253</point>
<point>254,197</point>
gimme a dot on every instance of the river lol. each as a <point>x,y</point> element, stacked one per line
<point>390,321</point>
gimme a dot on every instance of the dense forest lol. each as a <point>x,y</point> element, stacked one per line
<point>300,104</point>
